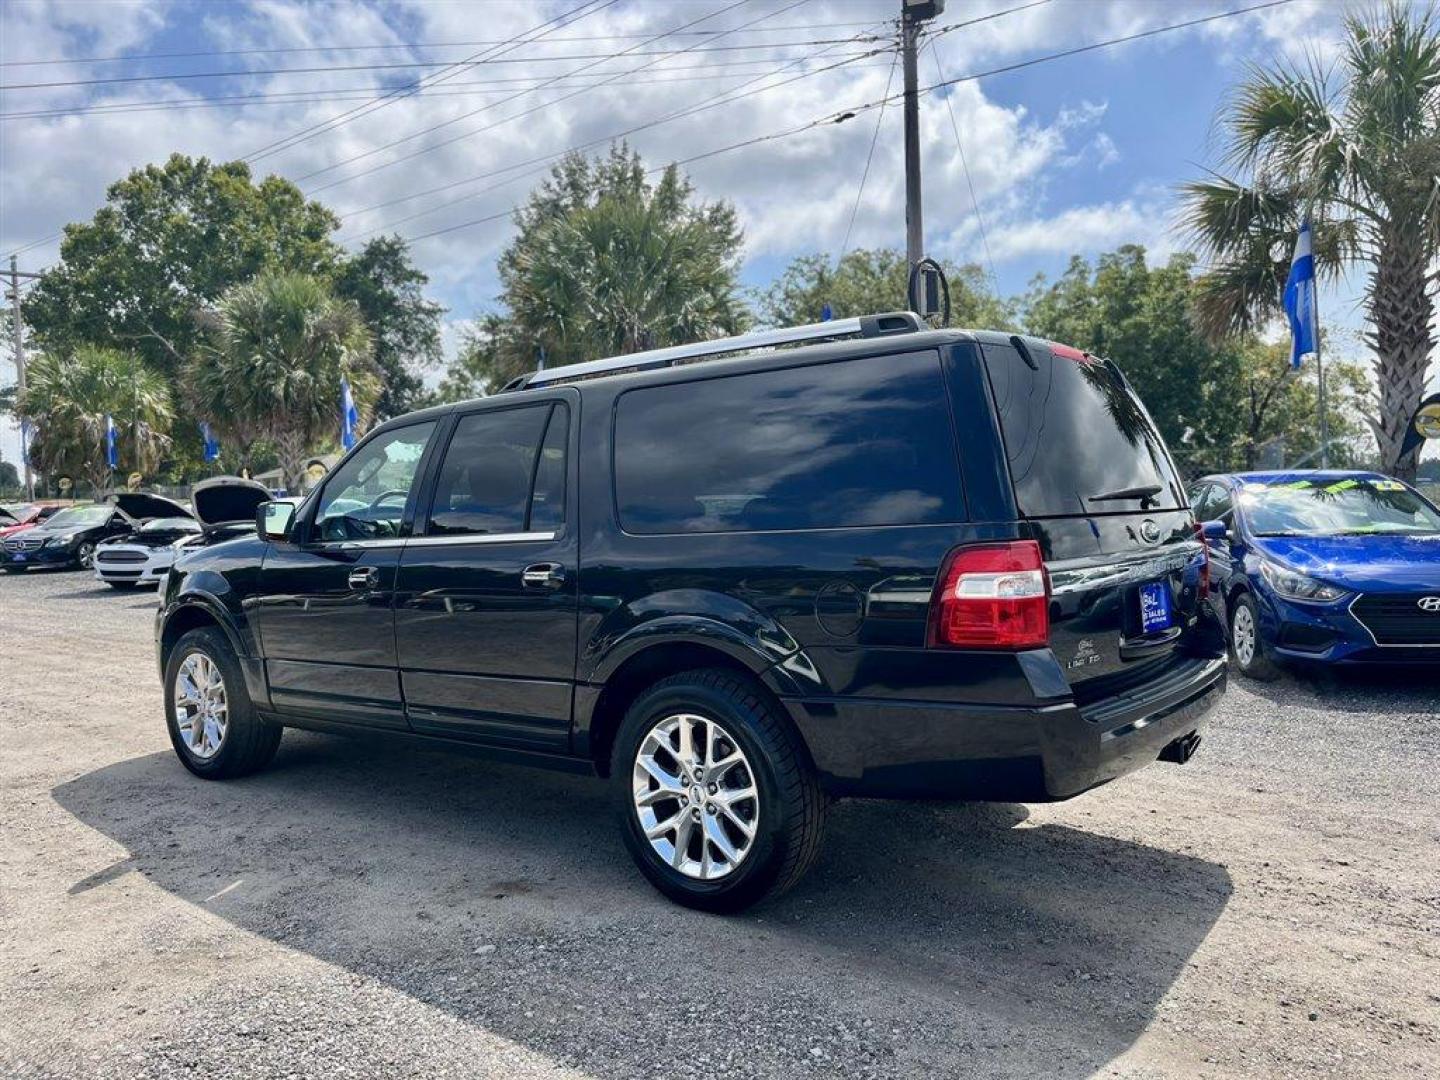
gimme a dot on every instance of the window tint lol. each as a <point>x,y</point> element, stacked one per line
<point>1221,505</point>
<point>1074,432</point>
<point>853,443</point>
<point>485,480</point>
<point>365,498</point>
<point>547,506</point>
<point>1201,498</point>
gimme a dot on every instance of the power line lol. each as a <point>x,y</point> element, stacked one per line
<point>965,166</point>
<point>355,93</point>
<point>175,76</point>
<point>549,26</point>
<point>841,115</point>
<point>395,45</point>
<point>611,77</point>
<point>541,162</point>
<point>869,157</point>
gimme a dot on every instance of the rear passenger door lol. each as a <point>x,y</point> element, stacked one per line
<point>485,596</point>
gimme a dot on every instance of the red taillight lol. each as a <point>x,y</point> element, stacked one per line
<point>1204,590</point>
<point>992,596</point>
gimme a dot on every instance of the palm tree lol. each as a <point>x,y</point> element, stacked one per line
<point>1356,150</point>
<point>625,274</point>
<point>68,398</point>
<point>278,348</point>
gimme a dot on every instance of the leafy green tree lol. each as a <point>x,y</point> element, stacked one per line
<point>270,368</point>
<point>68,398</point>
<point>866,282</point>
<point>404,326</point>
<point>1355,148</point>
<point>1140,317</point>
<point>1281,407</point>
<point>9,479</point>
<point>606,262</point>
<point>170,239</point>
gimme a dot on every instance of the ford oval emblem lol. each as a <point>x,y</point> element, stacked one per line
<point>1149,532</point>
<point>1430,604</point>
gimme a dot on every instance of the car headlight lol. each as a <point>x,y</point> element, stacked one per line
<point>59,541</point>
<point>1293,586</point>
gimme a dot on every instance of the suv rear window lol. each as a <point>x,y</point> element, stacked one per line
<point>1074,433</point>
<point>850,443</point>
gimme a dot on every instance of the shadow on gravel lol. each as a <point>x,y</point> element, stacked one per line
<point>1408,687</point>
<point>932,938</point>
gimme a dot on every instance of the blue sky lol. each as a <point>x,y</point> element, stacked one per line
<point>1079,155</point>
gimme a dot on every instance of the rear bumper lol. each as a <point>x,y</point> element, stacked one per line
<point>898,749</point>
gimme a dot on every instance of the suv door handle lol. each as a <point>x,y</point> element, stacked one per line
<point>364,577</point>
<point>545,575</point>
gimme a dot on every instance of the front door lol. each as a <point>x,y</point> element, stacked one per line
<point>326,620</point>
<point>486,595</point>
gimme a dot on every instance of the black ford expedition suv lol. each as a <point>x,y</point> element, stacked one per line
<point>736,579</point>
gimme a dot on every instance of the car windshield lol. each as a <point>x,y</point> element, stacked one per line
<point>170,524</point>
<point>7,517</point>
<point>1330,507</point>
<point>80,517</point>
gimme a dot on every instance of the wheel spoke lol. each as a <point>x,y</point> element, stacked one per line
<point>715,833</point>
<point>687,743</point>
<point>669,784</point>
<point>660,828</point>
<point>682,841</point>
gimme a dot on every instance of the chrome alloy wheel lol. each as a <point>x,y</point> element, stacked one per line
<point>1243,634</point>
<point>201,711</point>
<point>695,796</point>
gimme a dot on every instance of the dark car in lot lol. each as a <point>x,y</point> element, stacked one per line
<point>737,580</point>
<point>69,537</point>
<point>1323,567</point>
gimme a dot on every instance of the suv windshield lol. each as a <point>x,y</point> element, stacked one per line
<point>1078,441</point>
<point>1326,507</point>
<point>80,517</point>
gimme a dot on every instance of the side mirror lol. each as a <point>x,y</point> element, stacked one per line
<point>273,520</point>
<point>1215,530</point>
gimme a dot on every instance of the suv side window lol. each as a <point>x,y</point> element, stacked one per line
<point>849,443</point>
<point>503,472</point>
<point>365,498</point>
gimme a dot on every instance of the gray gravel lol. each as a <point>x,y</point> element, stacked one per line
<point>1270,909</point>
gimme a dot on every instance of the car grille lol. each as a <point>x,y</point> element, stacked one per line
<point>1399,619</point>
<point>22,543</point>
<point>120,556</point>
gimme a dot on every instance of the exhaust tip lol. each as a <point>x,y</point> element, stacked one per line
<point>1182,749</point>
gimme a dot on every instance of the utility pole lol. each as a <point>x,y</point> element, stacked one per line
<point>912,14</point>
<point>914,221</point>
<point>17,334</point>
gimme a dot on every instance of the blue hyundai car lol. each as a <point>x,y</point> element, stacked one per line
<point>1322,566</point>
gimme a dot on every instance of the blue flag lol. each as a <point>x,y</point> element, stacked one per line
<point>827,313</point>
<point>112,452</point>
<point>349,415</point>
<point>1300,301</point>
<point>212,444</point>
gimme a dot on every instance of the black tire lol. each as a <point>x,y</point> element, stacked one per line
<point>249,742</point>
<point>123,586</point>
<point>13,569</point>
<point>85,556</point>
<point>791,804</point>
<point>1251,662</point>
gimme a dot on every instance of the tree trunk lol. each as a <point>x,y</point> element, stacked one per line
<point>1400,308</point>
<point>291,448</point>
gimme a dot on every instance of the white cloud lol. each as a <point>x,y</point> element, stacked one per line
<point>1082,229</point>
<point>794,195</point>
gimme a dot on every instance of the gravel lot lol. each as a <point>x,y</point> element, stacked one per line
<point>1270,909</point>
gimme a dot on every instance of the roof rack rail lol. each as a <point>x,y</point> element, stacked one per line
<point>865,326</point>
